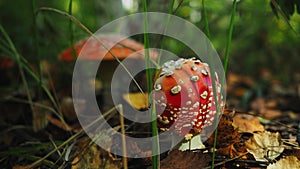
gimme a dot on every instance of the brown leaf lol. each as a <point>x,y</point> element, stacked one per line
<point>265,146</point>
<point>185,160</point>
<point>90,155</point>
<point>247,123</point>
<point>227,134</point>
<point>229,140</point>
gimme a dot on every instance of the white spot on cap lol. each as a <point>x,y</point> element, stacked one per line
<point>196,105</point>
<point>219,89</point>
<point>204,72</point>
<point>184,108</point>
<point>194,68</point>
<point>178,66</point>
<point>186,125</point>
<point>157,87</point>
<point>194,78</point>
<point>199,123</point>
<point>183,112</point>
<point>217,77</point>
<point>176,89</point>
<point>169,73</point>
<point>188,103</point>
<point>204,95</point>
<point>197,61</point>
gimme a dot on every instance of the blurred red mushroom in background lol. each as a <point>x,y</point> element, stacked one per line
<point>92,49</point>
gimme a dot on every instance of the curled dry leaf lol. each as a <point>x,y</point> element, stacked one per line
<point>265,146</point>
<point>290,162</point>
<point>247,123</point>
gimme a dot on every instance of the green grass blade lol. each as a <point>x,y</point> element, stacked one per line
<point>71,30</point>
<point>205,19</point>
<point>36,48</point>
<point>18,60</point>
<point>231,25</point>
<point>170,11</point>
<point>229,36</point>
<point>149,75</point>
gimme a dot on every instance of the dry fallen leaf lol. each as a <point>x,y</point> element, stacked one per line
<point>265,146</point>
<point>185,160</point>
<point>229,140</point>
<point>90,155</point>
<point>247,123</point>
<point>137,100</point>
<point>227,134</point>
<point>290,162</point>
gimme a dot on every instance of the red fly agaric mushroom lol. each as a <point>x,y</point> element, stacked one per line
<point>184,95</point>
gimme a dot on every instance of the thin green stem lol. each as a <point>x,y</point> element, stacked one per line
<point>205,19</point>
<point>24,65</point>
<point>149,75</point>
<point>170,11</point>
<point>71,30</point>
<point>229,36</point>
<point>36,47</point>
<point>18,60</point>
<point>231,25</point>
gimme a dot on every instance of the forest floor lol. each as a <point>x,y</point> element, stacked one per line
<point>259,129</point>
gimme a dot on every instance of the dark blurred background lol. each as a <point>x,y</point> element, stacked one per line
<point>263,46</point>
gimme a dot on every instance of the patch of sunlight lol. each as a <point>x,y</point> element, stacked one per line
<point>195,16</point>
<point>130,5</point>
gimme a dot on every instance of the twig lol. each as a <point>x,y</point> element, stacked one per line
<point>125,162</point>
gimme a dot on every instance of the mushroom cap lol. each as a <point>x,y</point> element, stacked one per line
<point>184,95</point>
<point>92,49</point>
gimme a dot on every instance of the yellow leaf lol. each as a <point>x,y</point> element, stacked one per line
<point>138,101</point>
